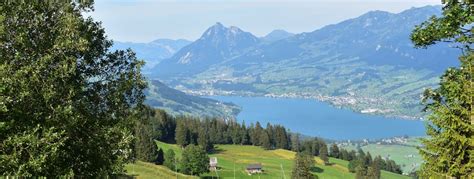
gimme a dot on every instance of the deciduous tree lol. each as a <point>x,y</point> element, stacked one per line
<point>65,100</point>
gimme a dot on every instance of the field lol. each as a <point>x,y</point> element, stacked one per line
<point>232,160</point>
<point>406,155</point>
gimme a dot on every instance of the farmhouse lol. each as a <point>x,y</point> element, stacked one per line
<point>213,163</point>
<point>254,168</point>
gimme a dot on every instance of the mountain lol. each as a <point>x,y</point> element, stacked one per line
<point>276,35</point>
<point>367,64</point>
<point>153,52</point>
<point>216,43</point>
<point>158,95</point>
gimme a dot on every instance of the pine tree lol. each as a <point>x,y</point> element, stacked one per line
<point>334,151</point>
<point>374,170</point>
<point>159,157</point>
<point>315,146</point>
<point>182,134</point>
<point>295,142</point>
<point>271,133</point>
<point>257,134</point>
<point>449,150</point>
<point>361,172</point>
<point>302,167</point>
<point>265,139</point>
<point>323,154</point>
<point>203,140</point>
<point>244,134</point>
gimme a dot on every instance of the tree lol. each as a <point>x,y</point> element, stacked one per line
<point>159,157</point>
<point>244,134</point>
<point>170,160</point>
<point>265,140</point>
<point>182,134</point>
<point>334,151</point>
<point>194,160</point>
<point>66,101</point>
<point>203,140</point>
<point>450,148</point>
<point>145,148</point>
<point>361,172</point>
<point>304,162</point>
<point>323,154</point>
<point>377,165</point>
<point>295,142</point>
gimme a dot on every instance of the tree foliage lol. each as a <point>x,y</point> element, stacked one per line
<point>65,100</point>
<point>304,162</point>
<point>449,149</point>
<point>323,153</point>
<point>194,160</point>
<point>170,160</point>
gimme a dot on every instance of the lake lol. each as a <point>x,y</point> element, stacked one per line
<point>315,118</point>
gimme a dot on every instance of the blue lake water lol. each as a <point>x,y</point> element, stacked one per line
<point>315,118</point>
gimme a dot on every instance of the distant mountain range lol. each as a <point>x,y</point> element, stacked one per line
<point>367,63</point>
<point>153,52</point>
<point>179,103</point>
<point>216,44</point>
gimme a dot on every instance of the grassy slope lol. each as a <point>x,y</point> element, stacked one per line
<point>405,155</point>
<point>240,156</point>
<point>143,170</point>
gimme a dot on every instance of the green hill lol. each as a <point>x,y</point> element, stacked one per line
<point>175,102</point>
<point>234,158</point>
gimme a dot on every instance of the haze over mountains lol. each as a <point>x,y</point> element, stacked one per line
<point>154,51</point>
<point>366,63</point>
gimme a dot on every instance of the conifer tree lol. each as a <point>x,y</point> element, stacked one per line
<point>302,167</point>
<point>265,139</point>
<point>334,151</point>
<point>159,157</point>
<point>203,140</point>
<point>449,150</point>
<point>323,154</point>
<point>295,142</point>
<point>182,134</point>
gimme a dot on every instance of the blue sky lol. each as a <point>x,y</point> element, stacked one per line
<point>147,20</point>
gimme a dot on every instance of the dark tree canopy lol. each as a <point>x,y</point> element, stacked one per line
<point>62,94</point>
<point>449,150</point>
<point>194,160</point>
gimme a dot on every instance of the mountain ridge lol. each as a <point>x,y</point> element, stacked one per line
<point>365,63</point>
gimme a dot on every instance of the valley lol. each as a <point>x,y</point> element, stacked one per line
<point>367,64</point>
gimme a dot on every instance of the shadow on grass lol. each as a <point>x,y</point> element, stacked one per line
<point>216,150</point>
<point>125,176</point>
<point>317,169</point>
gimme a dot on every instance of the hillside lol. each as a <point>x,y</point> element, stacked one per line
<point>153,52</point>
<point>175,102</point>
<point>366,63</point>
<point>236,156</point>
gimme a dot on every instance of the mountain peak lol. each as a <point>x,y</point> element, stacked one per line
<point>277,34</point>
<point>220,32</point>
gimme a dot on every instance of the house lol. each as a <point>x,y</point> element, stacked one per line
<point>213,163</point>
<point>254,168</point>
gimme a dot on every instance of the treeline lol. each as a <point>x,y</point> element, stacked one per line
<point>363,164</point>
<point>156,124</point>
<point>185,130</point>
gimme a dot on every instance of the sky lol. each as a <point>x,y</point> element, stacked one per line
<point>148,20</point>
